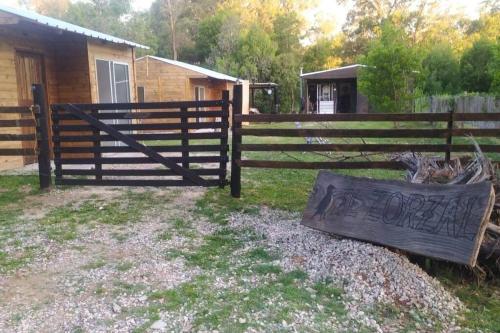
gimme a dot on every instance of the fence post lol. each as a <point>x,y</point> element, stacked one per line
<point>42,120</point>
<point>236,142</point>
<point>224,139</point>
<point>185,140</point>
<point>97,145</point>
<point>449,134</point>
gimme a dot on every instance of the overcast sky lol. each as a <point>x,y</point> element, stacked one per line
<point>471,7</point>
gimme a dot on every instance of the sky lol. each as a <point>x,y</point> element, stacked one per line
<point>471,7</point>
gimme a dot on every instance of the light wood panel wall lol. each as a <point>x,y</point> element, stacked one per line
<point>114,52</point>
<point>25,37</point>
<point>69,67</point>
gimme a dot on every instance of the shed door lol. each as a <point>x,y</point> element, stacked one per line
<point>29,71</point>
<point>113,86</point>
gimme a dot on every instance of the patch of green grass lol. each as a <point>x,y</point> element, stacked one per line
<point>165,235</point>
<point>100,290</point>
<point>62,223</point>
<point>96,264</point>
<point>217,204</point>
<point>261,254</point>
<point>221,309</point>
<point>13,190</point>
<point>124,266</point>
<point>121,287</point>
<point>171,254</point>
<point>481,298</point>
<point>264,269</point>
<point>12,262</point>
<point>216,250</point>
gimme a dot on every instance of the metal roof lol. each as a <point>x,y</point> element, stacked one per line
<point>58,24</point>
<point>198,69</point>
<point>346,72</point>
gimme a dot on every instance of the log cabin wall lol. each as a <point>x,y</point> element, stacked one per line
<point>68,68</point>
<point>165,82</point>
<point>22,38</point>
<point>112,52</point>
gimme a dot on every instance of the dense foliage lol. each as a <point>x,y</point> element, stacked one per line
<point>433,52</point>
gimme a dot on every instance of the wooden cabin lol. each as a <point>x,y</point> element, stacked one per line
<point>334,91</point>
<point>163,80</point>
<point>76,65</point>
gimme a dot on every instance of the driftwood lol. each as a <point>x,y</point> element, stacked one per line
<point>429,170</point>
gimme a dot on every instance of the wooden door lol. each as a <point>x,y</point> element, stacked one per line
<point>29,71</point>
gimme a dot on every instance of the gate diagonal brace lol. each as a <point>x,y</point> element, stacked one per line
<point>197,180</point>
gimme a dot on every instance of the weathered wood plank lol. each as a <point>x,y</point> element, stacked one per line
<point>17,137</point>
<point>18,152</point>
<point>15,109</point>
<point>18,123</point>
<point>148,115</point>
<point>143,127</point>
<point>346,133</point>
<point>134,172</point>
<point>389,148</point>
<point>393,165</point>
<point>141,106</point>
<point>439,221</point>
<point>125,149</point>
<point>139,160</point>
<point>132,182</point>
<point>142,137</point>
<point>280,118</point>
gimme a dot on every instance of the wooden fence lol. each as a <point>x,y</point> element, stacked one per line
<point>28,133</point>
<point>101,142</point>
<point>446,133</point>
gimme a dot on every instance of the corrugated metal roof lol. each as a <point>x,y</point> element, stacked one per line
<point>58,24</point>
<point>198,69</point>
<point>346,72</point>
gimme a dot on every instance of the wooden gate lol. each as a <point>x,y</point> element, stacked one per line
<point>163,145</point>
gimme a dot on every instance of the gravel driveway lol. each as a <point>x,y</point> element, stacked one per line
<point>134,260</point>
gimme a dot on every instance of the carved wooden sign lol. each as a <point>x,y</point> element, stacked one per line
<point>441,221</point>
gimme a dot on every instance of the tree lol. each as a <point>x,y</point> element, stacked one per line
<point>495,70</point>
<point>172,11</point>
<point>390,76</point>
<point>366,17</point>
<point>475,66</point>
<point>441,71</point>
<point>324,54</point>
<point>255,54</point>
<point>53,8</point>
<point>101,15</point>
<point>207,36</point>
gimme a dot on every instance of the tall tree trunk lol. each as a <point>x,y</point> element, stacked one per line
<point>173,26</point>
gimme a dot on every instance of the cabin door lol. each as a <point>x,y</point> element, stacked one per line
<point>29,71</point>
<point>113,86</point>
<point>326,99</point>
<point>199,95</point>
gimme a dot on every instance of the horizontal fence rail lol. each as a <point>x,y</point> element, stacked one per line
<point>142,144</point>
<point>28,135</point>
<point>18,140</point>
<point>429,128</point>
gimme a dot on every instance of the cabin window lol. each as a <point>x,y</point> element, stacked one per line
<point>113,86</point>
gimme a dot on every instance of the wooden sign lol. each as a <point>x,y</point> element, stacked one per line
<point>441,221</point>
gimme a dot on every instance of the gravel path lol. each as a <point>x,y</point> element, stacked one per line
<point>369,274</point>
<point>94,283</point>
